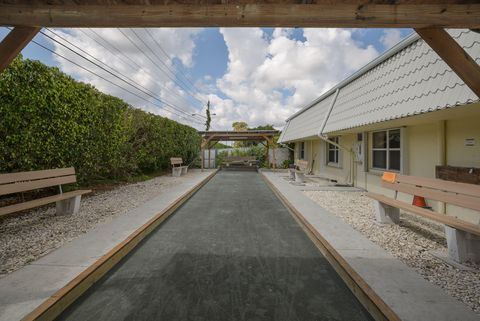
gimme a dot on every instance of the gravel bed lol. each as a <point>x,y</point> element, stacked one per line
<point>412,241</point>
<point>27,236</point>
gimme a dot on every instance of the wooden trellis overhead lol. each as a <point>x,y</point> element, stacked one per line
<point>428,17</point>
<point>245,135</point>
<point>242,13</point>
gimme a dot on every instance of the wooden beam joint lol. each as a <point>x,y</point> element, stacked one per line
<point>454,55</point>
<point>14,43</point>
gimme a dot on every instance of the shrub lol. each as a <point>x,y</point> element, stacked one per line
<point>49,120</point>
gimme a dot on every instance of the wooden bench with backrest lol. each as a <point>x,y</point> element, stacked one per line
<point>178,168</point>
<point>67,203</point>
<point>463,238</point>
<point>240,160</point>
<point>299,170</point>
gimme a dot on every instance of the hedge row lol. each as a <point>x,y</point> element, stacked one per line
<point>49,120</point>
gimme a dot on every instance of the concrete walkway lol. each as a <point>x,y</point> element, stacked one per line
<point>410,296</point>
<point>23,290</point>
<point>232,252</point>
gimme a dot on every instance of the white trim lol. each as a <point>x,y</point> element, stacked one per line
<point>327,115</point>
<point>284,130</point>
<point>403,151</point>
<point>335,148</point>
<point>365,151</point>
<point>387,150</point>
<point>300,149</point>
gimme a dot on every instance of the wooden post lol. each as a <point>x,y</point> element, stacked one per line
<point>454,55</point>
<point>205,143</point>
<point>270,142</point>
<point>14,42</point>
<point>274,158</point>
<point>267,157</point>
<point>209,160</point>
<point>201,153</point>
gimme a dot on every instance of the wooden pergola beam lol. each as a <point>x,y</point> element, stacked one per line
<point>454,55</point>
<point>243,13</point>
<point>14,42</point>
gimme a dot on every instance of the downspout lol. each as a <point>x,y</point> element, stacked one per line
<point>325,138</point>
<point>442,154</point>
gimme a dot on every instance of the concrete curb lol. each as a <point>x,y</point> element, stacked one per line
<point>405,292</point>
<point>48,285</point>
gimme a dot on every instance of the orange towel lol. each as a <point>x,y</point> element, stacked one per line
<point>389,177</point>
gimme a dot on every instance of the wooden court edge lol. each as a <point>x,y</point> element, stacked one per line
<point>371,301</point>
<point>64,297</point>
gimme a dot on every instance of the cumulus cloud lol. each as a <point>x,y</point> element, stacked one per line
<point>390,38</point>
<point>126,53</point>
<point>269,78</point>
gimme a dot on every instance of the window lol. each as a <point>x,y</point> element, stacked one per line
<point>333,151</point>
<point>386,150</point>
<point>302,150</point>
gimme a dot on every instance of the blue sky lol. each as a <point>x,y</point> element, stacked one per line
<point>250,74</point>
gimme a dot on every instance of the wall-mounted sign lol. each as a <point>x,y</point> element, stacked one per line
<point>469,141</point>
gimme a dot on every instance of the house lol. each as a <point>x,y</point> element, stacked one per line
<point>405,112</point>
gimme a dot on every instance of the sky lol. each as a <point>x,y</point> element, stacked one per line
<point>256,75</point>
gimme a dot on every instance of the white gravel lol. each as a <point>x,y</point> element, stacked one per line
<point>412,241</point>
<point>27,236</point>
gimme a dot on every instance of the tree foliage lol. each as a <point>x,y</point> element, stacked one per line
<point>49,120</point>
<point>239,126</point>
<point>263,127</point>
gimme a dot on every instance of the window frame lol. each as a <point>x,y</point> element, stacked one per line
<point>335,149</point>
<point>302,151</point>
<point>387,150</point>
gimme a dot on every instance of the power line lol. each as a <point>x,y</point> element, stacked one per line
<point>161,61</point>
<point>156,65</point>
<point>187,88</point>
<point>109,81</point>
<point>116,76</point>
<point>123,75</point>
<point>168,56</point>
<point>130,59</point>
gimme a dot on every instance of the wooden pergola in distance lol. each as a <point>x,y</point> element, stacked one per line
<point>211,137</point>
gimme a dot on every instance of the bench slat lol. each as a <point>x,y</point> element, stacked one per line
<point>40,201</point>
<point>438,195</point>
<point>434,216</point>
<point>301,164</point>
<point>34,175</point>
<point>31,185</point>
<point>176,160</point>
<point>239,158</point>
<point>435,183</point>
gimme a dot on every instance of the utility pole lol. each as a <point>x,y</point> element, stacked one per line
<point>209,118</point>
<point>207,127</point>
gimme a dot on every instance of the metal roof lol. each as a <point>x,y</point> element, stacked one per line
<point>307,123</point>
<point>406,80</point>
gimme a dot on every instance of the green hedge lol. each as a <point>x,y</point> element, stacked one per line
<point>49,120</point>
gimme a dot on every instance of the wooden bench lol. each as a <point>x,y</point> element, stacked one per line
<point>299,170</point>
<point>67,203</point>
<point>463,238</point>
<point>178,168</point>
<point>240,160</point>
